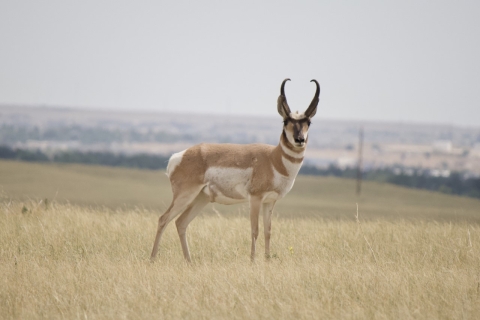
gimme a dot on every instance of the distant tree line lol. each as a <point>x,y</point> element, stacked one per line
<point>454,184</point>
<point>24,155</point>
<point>142,161</point>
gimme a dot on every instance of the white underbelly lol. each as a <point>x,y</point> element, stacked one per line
<point>221,198</point>
<point>227,185</point>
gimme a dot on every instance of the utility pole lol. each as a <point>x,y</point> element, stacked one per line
<point>360,159</point>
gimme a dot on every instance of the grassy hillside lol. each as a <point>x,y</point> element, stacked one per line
<point>311,196</point>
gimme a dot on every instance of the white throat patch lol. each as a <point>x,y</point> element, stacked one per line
<point>292,154</point>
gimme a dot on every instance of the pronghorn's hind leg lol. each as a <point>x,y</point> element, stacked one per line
<point>181,202</point>
<point>187,216</point>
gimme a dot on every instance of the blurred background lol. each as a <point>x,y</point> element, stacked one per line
<point>128,83</point>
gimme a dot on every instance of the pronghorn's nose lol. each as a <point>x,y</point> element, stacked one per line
<point>300,140</point>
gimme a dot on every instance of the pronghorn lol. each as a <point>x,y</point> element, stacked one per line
<point>231,173</point>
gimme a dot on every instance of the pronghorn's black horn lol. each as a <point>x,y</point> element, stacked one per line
<point>282,88</point>
<point>282,105</point>
<point>312,109</point>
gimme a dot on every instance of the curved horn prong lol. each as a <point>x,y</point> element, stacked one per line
<point>312,109</point>
<point>282,105</point>
<point>282,88</point>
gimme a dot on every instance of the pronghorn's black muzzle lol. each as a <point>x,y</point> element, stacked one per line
<point>300,140</point>
<point>298,133</point>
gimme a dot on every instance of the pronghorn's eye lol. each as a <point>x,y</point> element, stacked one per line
<point>309,123</point>
<point>285,122</point>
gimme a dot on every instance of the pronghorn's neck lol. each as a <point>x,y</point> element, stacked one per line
<point>287,159</point>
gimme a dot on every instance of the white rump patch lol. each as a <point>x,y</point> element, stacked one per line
<point>174,161</point>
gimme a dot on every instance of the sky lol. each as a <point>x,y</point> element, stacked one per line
<point>402,61</point>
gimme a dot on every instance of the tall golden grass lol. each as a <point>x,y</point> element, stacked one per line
<point>64,261</point>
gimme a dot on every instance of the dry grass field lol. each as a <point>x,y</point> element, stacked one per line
<point>412,254</point>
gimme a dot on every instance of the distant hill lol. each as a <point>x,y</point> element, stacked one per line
<point>321,197</point>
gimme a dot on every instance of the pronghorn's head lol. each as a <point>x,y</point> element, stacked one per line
<point>296,125</point>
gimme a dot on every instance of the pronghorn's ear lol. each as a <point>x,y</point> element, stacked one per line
<point>312,109</point>
<point>282,105</point>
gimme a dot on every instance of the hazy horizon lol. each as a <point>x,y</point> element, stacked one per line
<point>274,115</point>
<point>403,62</point>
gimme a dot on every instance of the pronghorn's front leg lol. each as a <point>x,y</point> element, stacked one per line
<point>267,225</point>
<point>255,206</point>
